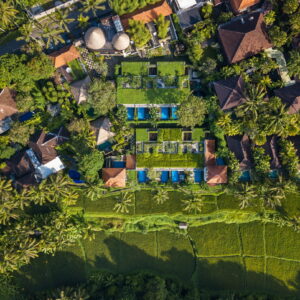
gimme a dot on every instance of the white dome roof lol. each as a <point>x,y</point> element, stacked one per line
<point>121,41</point>
<point>94,38</point>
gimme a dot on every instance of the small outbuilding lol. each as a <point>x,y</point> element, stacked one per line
<point>121,41</point>
<point>290,96</point>
<point>102,130</point>
<point>114,177</point>
<point>79,89</point>
<point>94,38</point>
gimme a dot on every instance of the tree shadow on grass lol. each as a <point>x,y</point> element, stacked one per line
<point>66,268</point>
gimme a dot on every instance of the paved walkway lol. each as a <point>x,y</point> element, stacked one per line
<point>283,70</point>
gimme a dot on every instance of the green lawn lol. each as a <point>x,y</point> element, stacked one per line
<point>225,259</point>
<point>171,68</point>
<point>135,68</point>
<point>151,96</point>
<point>160,160</point>
<point>77,71</point>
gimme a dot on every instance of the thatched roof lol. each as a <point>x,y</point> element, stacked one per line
<point>244,37</point>
<point>64,56</point>
<point>79,89</point>
<point>114,177</point>
<point>94,38</point>
<point>121,41</point>
<point>230,92</point>
<point>216,175</point>
<point>209,152</point>
<point>101,128</point>
<point>290,96</point>
<point>240,5</point>
<point>240,146</point>
<point>7,103</point>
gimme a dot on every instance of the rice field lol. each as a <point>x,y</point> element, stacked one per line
<point>253,256</point>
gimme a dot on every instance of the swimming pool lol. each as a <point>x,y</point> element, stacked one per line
<point>142,176</point>
<point>106,146</point>
<point>175,176</point>
<point>220,161</point>
<point>130,113</point>
<point>198,176</point>
<point>141,113</point>
<point>174,113</point>
<point>245,177</point>
<point>164,177</point>
<point>27,116</point>
<point>75,176</point>
<point>118,164</point>
<point>165,113</point>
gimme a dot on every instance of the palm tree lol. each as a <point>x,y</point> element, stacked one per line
<point>161,196</point>
<point>246,194</point>
<point>94,191</point>
<point>40,194</point>
<point>26,31</point>
<point>52,35</point>
<point>83,21</point>
<point>92,5</point>
<point>123,203</point>
<point>8,13</point>
<point>63,19</point>
<point>193,204</point>
<point>5,186</point>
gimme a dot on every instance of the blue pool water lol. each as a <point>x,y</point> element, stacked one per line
<point>130,113</point>
<point>175,176</point>
<point>106,146</point>
<point>142,176</point>
<point>141,113</point>
<point>174,113</point>
<point>245,177</point>
<point>164,113</point>
<point>164,177</point>
<point>220,161</point>
<point>198,176</point>
<point>118,164</point>
<point>75,176</point>
<point>273,174</point>
<point>27,116</point>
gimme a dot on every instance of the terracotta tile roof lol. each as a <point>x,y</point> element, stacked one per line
<point>7,103</point>
<point>130,162</point>
<point>240,146</point>
<point>114,177</point>
<point>244,37</point>
<point>210,157</point>
<point>216,175</point>
<point>230,92</point>
<point>239,5</point>
<point>148,13</point>
<point>63,56</point>
<point>290,96</point>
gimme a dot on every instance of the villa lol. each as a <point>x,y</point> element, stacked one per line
<point>290,96</point>
<point>243,37</point>
<point>242,5</point>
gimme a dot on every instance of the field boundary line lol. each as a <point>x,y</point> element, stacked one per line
<point>219,256</point>
<point>156,243</point>
<point>282,258</point>
<point>240,239</point>
<point>265,254</point>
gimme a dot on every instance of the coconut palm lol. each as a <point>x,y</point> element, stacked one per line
<point>92,5</point>
<point>83,21</point>
<point>123,203</point>
<point>8,14</point>
<point>63,19</point>
<point>161,196</point>
<point>26,31</point>
<point>40,194</point>
<point>245,195</point>
<point>193,204</point>
<point>52,35</point>
<point>5,186</point>
<point>94,191</point>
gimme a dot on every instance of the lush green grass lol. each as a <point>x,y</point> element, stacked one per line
<point>198,134</point>
<point>216,239</point>
<point>141,134</point>
<point>160,160</point>
<point>219,265</point>
<point>135,68</point>
<point>149,96</point>
<point>170,134</point>
<point>171,68</point>
<point>77,71</point>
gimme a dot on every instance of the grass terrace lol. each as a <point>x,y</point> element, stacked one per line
<point>76,70</point>
<point>141,83</point>
<point>163,160</point>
